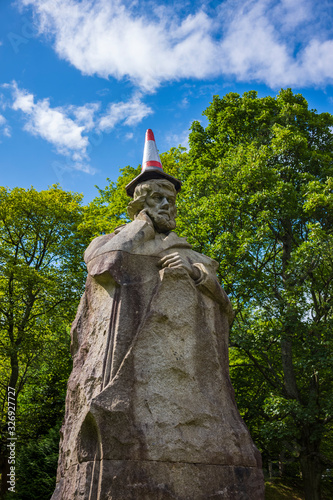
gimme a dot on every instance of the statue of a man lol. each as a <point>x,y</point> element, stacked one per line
<point>150,410</point>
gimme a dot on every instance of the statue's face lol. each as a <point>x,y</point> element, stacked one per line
<point>160,206</point>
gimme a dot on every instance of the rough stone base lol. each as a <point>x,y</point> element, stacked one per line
<point>148,480</point>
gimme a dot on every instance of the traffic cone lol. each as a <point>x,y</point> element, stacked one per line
<point>151,166</point>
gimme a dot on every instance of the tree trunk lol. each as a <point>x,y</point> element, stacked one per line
<point>281,464</point>
<point>290,319</point>
<point>270,469</point>
<point>310,465</point>
<point>310,437</point>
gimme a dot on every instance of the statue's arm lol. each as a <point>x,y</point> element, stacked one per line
<point>208,284</point>
<point>176,260</point>
<point>204,278</point>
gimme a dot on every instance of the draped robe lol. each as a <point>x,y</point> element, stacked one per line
<point>150,410</point>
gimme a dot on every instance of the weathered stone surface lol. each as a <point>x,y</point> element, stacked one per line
<point>150,410</point>
<point>130,480</point>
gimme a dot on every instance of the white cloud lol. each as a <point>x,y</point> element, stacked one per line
<point>23,101</point>
<point>7,131</point>
<point>184,103</point>
<point>129,113</point>
<point>251,47</point>
<point>67,127</point>
<point>318,61</point>
<point>53,125</point>
<point>4,128</point>
<point>84,115</point>
<point>271,41</point>
<point>293,13</point>
<point>104,37</point>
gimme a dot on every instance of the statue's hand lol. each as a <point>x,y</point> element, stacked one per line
<point>145,217</point>
<point>175,260</point>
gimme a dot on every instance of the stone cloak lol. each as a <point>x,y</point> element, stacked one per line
<point>150,410</point>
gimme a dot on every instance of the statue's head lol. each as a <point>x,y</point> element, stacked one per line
<point>158,198</point>
<point>153,190</point>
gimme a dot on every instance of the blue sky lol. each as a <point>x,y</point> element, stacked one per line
<point>81,80</point>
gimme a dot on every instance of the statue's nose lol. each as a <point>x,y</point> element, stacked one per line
<point>165,203</point>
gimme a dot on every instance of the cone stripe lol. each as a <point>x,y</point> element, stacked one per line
<point>150,135</point>
<point>152,163</point>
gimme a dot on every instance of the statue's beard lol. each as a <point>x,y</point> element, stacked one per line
<point>162,223</point>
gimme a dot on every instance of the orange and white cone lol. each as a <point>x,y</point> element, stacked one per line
<point>151,166</point>
<point>151,158</point>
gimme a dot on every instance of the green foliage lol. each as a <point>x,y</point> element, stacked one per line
<point>36,467</point>
<point>109,209</point>
<point>41,279</point>
<point>41,403</point>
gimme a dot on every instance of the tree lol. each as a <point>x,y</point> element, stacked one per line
<point>257,197</point>
<point>41,280</point>
<point>41,403</point>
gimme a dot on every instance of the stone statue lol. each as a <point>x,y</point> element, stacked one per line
<point>150,410</point>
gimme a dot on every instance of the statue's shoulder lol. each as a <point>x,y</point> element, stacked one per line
<point>128,237</point>
<point>96,244</point>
